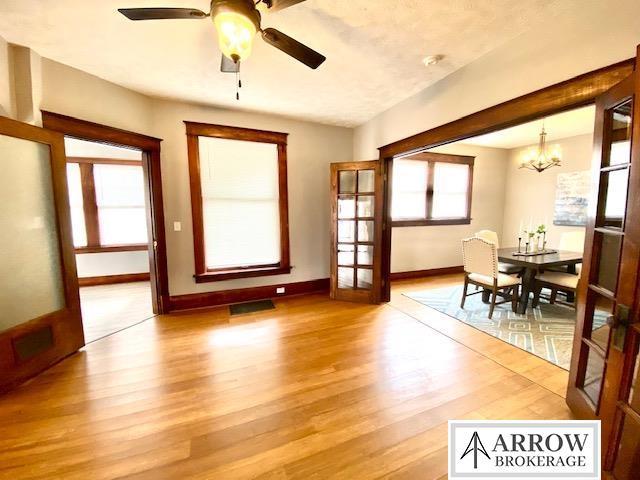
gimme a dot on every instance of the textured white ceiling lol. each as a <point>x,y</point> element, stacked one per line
<point>563,125</point>
<point>374,49</point>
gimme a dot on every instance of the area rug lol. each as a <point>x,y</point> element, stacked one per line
<point>545,331</point>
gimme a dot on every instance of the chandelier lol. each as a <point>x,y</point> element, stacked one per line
<point>541,159</point>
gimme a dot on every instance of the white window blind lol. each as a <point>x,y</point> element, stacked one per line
<point>409,189</point>
<point>240,195</point>
<point>120,200</point>
<point>450,183</point>
<point>76,205</point>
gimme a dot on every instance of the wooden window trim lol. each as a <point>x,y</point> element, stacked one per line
<point>433,158</point>
<point>90,206</point>
<point>134,247</point>
<point>103,161</point>
<point>202,274</point>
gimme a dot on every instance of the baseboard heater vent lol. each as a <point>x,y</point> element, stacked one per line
<point>250,307</point>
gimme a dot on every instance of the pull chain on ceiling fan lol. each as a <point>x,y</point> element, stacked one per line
<point>237,22</point>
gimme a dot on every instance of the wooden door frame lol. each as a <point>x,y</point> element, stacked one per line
<point>576,92</point>
<point>67,336</point>
<point>150,147</point>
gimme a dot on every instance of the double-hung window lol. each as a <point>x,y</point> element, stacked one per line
<point>106,199</point>
<point>431,189</point>
<point>238,201</point>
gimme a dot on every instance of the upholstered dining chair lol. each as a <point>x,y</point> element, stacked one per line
<point>492,237</point>
<point>480,259</point>
<point>555,281</point>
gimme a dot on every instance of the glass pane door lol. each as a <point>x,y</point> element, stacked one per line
<point>625,451</point>
<point>355,231</point>
<point>608,236</point>
<point>603,380</point>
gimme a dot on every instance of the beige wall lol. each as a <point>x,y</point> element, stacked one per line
<point>6,87</point>
<point>568,46</point>
<point>73,92</point>
<point>312,147</point>
<point>531,195</point>
<point>422,248</point>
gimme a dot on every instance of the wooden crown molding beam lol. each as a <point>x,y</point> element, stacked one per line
<point>235,133</point>
<point>88,130</point>
<point>575,92</point>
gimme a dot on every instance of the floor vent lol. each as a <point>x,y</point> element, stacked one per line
<point>250,307</point>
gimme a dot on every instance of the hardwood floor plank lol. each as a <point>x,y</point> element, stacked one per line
<point>312,389</point>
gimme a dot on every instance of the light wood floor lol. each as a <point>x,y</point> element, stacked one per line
<point>312,389</point>
<point>530,366</point>
<point>109,308</point>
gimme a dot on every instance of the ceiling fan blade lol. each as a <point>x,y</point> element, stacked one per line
<point>282,4</point>
<point>161,13</point>
<point>297,50</point>
<point>229,66</point>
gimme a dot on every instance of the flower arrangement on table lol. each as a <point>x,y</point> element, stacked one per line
<point>540,235</point>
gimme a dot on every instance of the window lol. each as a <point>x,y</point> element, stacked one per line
<point>431,189</point>
<point>238,201</point>
<point>120,201</point>
<point>106,198</point>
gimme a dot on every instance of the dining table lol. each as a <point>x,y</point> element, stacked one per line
<point>532,265</point>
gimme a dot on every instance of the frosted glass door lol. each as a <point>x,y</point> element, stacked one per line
<point>30,268</point>
<point>40,321</point>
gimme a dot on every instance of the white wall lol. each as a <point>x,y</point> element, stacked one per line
<point>568,46</point>
<point>112,263</point>
<point>312,147</point>
<point>531,194</point>
<point>423,248</point>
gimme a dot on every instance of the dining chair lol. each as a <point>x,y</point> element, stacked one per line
<point>555,281</point>
<point>492,237</point>
<point>480,260</point>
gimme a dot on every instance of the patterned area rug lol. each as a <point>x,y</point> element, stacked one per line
<point>546,331</point>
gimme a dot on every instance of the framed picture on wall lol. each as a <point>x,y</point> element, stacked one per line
<point>572,198</point>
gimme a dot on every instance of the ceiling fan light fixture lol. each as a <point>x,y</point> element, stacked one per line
<point>235,35</point>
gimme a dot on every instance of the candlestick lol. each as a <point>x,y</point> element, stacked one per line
<point>526,247</point>
<point>519,242</point>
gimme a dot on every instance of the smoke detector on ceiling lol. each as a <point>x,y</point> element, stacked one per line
<point>432,60</point>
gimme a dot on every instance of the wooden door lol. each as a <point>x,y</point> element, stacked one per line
<point>40,319</point>
<point>356,231</point>
<point>604,379</point>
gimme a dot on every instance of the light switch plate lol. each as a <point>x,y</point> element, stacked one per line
<point>177,226</point>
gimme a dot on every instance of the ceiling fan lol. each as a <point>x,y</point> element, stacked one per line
<point>237,22</point>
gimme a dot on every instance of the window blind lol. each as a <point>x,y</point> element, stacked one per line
<point>409,189</point>
<point>240,195</point>
<point>450,181</point>
<point>79,231</point>
<point>120,201</point>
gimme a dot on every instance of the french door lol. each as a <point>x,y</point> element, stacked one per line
<point>40,319</point>
<point>356,231</point>
<point>604,380</point>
